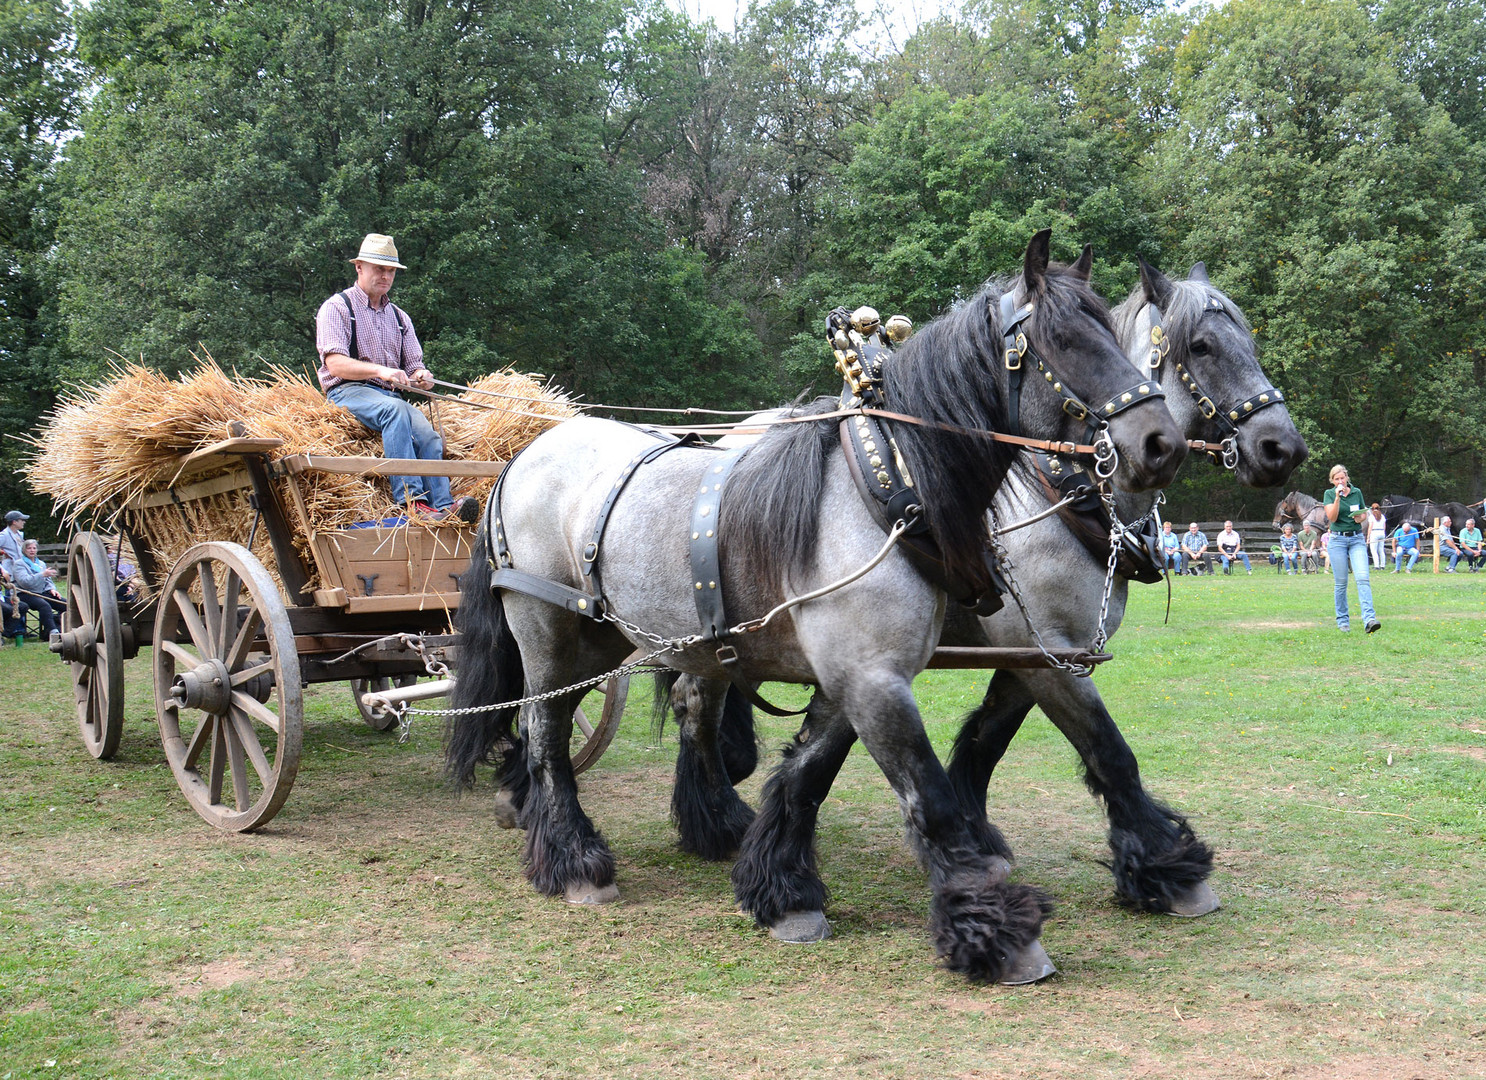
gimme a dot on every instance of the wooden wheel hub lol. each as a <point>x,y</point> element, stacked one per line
<point>207,687</point>
<point>76,646</point>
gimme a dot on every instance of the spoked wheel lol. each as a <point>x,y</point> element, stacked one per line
<point>388,720</point>
<point>591,740</point>
<point>93,643</point>
<point>228,693</point>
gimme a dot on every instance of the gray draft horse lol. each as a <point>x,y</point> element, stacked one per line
<point>792,522</point>
<point>1159,864</point>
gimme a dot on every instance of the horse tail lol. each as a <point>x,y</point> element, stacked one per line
<point>490,671</point>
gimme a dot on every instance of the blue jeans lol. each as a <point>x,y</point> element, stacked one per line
<point>1229,560</point>
<point>1172,558</point>
<point>1398,558</point>
<point>406,433</point>
<point>1350,550</point>
<point>1291,560</point>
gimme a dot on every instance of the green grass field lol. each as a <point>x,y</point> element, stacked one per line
<point>380,925</point>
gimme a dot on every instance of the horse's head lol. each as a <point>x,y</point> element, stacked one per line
<point>1202,349</point>
<point>1081,384</point>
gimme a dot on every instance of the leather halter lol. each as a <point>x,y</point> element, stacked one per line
<point>1016,348</point>
<point>1229,416</point>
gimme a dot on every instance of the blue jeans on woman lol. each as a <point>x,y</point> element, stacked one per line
<point>1350,550</point>
<point>406,433</point>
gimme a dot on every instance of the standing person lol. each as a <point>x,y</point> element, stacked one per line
<point>368,349</point>
<point>1289,549</point>
<point>1230,549</point>
<point>1345,510</point>
<point>1470,545</point>
<point>1194,548</point>
<point>12,538</point>
<point>1171,548</point>
<point>1376,529</point>
<point>1405,541</point>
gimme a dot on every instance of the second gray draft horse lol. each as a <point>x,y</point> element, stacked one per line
<point>791,523</point>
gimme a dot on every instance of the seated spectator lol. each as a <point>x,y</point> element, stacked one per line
<point>1405,541</point>
<point>1289,550</point>
<point>1194,549</point>
<point>1470,545</point>
<point>1171,548</point>
<point>15,626</point>
<point>33,579</point>
<point>1323,549</point>
<point>1448,546</point>
<point>1230,549</point>
<point>1310,555</point>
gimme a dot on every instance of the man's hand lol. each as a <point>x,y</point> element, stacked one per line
<point>422,378</point>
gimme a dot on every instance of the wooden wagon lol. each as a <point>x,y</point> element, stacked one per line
<point>236,637</point>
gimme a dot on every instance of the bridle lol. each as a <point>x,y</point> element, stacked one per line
<point>1016,348</point>
<point>1228,416</point>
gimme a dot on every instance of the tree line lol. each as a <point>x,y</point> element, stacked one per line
<point>653,211</point>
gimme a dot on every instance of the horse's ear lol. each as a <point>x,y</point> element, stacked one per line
<point>1034,266</point>
<point>1085,265</point>
<point>1198,273</point>
<point>1158,287</point>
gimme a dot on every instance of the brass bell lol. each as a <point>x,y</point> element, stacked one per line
<point>898,328</point>
<point>865,321</point>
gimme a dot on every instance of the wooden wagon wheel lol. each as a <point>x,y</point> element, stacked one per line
<point>93,643</point>
<point>597,737</point>
<point>388,720</point>
<point>228,694</point>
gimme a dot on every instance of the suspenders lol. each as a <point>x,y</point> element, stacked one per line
<point>402,344</point>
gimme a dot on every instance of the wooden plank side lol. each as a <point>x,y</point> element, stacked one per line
<point>369,466</point>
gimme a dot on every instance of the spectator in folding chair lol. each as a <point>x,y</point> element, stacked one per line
<point>1194,549</point>
<point>38,593</point>
<point>1289,549</point>
<point>1171,548</point>
<point>1230,549</point>
<point>15,625</point>
<point>1310,553</point>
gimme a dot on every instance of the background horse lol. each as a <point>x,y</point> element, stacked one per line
<point>792,522</point>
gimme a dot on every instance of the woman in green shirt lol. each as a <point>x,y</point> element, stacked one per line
<point>1346,509</point>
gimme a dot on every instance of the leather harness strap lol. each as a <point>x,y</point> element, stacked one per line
<point>706,562</point>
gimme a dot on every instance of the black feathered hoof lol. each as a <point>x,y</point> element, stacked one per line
<point>801,927</point>
<point>1030,965</point>
<point>1196,902</point>
<point>983,928</point>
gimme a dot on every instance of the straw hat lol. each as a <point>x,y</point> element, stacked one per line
<point>379,249</point>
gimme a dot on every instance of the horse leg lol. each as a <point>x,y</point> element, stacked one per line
<point>707,811</point>
<point>565,855</point>
<point>981,924</point>
<point>1159,864</point>
<point>775,877</point>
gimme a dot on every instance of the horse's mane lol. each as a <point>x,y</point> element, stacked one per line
<point>948,372</point>
<point>1186,305</point>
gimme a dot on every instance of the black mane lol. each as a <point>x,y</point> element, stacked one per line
<point>949,372</point>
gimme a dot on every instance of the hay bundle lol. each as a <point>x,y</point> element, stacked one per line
<point>105,444</point>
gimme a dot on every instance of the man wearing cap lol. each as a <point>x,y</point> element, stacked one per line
<point>12,539</point>
<point>368,349</point>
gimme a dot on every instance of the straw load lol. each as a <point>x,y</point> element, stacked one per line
<point>126,436</point>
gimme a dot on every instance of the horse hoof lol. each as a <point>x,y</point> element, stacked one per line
<point>586,892</point>
<point>801,927</point>
<point>505,810</point>
<point>1200,900</point>
<point>1031,965</point>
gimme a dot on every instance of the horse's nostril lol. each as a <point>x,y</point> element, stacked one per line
<point>1158,449</point>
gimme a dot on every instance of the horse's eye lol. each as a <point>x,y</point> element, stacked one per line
<point>1199,348</point>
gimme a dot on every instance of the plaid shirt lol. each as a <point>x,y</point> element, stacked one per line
<point>377,335</point>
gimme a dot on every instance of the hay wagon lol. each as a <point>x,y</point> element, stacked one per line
<point>240,626</point>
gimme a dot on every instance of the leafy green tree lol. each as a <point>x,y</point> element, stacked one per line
<point>1340,209</point>
<point>236,152</point>
<point>39,87</point>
